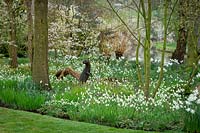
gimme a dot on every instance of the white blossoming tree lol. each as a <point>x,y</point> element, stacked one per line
<point>70,33</point>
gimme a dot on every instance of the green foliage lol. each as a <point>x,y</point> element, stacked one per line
<point>20,95</point>
<point>110,97</point>
<point>20,25</point>
<point>192,121</point>
<point>192,112</point>
<point>20,121</point>
<point>169,46</point>
<point>80,102</point>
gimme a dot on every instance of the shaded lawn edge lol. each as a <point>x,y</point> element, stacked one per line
<point>22,121</point>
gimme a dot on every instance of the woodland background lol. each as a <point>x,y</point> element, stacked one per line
<point>144,58</point>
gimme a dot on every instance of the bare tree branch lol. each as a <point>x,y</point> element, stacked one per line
<point>124,22</point>
<point>138,8</point>
<point>170,16</point>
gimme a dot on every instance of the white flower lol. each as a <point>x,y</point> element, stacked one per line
<point>158,69</point>
<point>176,105</point>
<point>188,103</point>
<point>192,111</point>
<point>198,101</point>
<point>188,109</point>
<point>192,97</point>
<point>195,92</point>
<point>198,75</point>
<point>40,81</point>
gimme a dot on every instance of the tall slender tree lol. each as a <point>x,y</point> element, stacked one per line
<point>12,48</point>
<point>164,48</point>
<point>28,4</point>
<point>40,57</point>
<point>146,13</point>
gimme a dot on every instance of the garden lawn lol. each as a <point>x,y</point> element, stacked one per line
<point>26,122</point>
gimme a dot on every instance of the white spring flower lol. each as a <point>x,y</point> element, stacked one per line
<point>192,111</point>
<point>188,109</point>
<point>174,61</point>
<point>198,75</point>
<point>198,101</point>
<point>195,92</point>
<point>192,97</point>
<point>158,69</point>
<point>176,105</point>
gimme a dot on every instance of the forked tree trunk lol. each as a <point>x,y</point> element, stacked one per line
<point>40,57</point>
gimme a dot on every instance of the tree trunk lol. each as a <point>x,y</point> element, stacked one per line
<point>12,48</point>
<point>180,50</point>
<point>163,51</point>
<point>147,46</point>
<point>192,53</point>
<point>30,30</point>
<point>137,51</point>
<point>193,34</point>
<point>40,57</point>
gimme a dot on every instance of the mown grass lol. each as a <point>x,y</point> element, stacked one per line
<point>169,47</point>
<point>26,122</point>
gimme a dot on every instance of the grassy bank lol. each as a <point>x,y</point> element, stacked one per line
<point>20,121</point>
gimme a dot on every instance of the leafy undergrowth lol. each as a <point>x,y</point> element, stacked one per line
<point>21,95</point>
<point>111,96</point>
<point>20,121</point>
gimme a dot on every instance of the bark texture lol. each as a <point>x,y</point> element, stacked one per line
<point>12,48</point>
<point>40,58</point>
<point>30,30</point>
<point>180,50</point>
<point>193,32</point>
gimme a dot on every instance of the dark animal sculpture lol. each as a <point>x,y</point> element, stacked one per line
<point>86,72</point>
<point>83,77</point>
<point>62,73</point>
